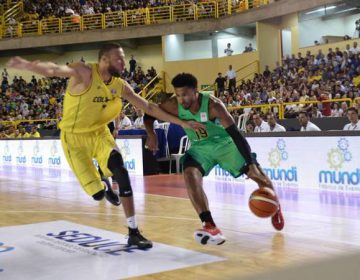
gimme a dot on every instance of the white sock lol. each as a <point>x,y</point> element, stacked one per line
<point>131,222</point>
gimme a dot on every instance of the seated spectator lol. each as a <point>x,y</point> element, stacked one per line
<point>125,122</point>
<point>315,113</point>
<point>34,132</point>
<point>353,117</point>
<point>305,124</point>
<point>355,49</point>
<point>250,127</point>
<point>139,121</point>
<point>23,133</point>
<point>273,125</point>
<point>336,111</point>
<point>261,126</point>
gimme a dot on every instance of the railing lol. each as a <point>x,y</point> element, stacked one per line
<point>247,71</point>
<point>265,108</point>
<point>283,105</point>
<point>356,101</point>
<point>138,17</point>
<point>9,30</point>
<point>14,11</point>
<point>149,94</point>
<point>9,4</point>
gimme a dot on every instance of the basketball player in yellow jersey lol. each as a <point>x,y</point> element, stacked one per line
<point>92,100</point>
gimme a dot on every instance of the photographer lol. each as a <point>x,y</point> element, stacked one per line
<point>357,27</point>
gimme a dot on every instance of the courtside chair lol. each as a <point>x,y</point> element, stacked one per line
<point>184,146</point>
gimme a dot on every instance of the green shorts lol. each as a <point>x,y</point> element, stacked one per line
<point>222,151</point>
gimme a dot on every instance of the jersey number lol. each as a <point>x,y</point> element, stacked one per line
<point>201,133</point>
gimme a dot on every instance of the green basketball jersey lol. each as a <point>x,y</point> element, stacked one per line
<point>213,129</point>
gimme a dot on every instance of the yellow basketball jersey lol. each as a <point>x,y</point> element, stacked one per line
<point>95,107</point>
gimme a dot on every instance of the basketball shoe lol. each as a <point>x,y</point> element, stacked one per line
<point>110,195</point>
<point>209,234</point>
<point>277,220</point>
<point>136,239</point>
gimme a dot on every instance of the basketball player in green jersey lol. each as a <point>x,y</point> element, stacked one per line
<point>220,143</point>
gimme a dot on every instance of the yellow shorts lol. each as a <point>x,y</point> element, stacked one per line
<point>81,148</point>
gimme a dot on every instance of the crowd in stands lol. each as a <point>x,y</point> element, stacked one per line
<point>41,9</point>
<point>41,99</point>
<point>313,77</point>
<point>22,131</point>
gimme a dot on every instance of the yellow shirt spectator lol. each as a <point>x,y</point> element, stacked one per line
<point>35,135</point>
<point>52,100</point>
<point>356,80</point>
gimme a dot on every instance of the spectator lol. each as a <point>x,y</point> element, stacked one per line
<point>353,117</point>
<point>34,132</point>
<point>261,126</point>
<point>250,127</point>
<point>132,63</point>
<point>355,49</point>
<point>273,125</point>
<point>228,51</point>
<point>305,124</point>
<point>139,121</point>
<point>220,84</point>
<point>125,122</point>
<point>249,48</point>
<point>266,72</point>
<point>231,77</point>
<point>336,111</point>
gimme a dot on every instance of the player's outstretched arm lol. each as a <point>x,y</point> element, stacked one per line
<point>155,111</point>
<point>48,69</point>
<point>169,106</point>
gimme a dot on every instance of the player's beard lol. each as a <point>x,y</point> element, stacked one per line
<point>186,106</point>
<point>113,71</point>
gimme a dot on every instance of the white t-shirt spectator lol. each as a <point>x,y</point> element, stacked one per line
<point>264,127</point>
<point>139,122</point>
<point>231,74</point>
<point>355,50</point>
<point>337,113</point>
<point>228,51</point>
<point>351,126</point>
<point>125,122</point>
<point>277,128</point>
<point>310,127</point>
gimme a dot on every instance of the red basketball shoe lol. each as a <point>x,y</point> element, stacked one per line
<point>209,234</point>
<point>277,220</point>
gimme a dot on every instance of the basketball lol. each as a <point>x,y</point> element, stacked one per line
<point>263,202</point>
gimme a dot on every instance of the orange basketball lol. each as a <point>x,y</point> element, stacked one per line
<point>263,202</point>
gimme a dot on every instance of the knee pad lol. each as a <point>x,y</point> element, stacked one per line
<point>120,174</point>
<point>99,195</point>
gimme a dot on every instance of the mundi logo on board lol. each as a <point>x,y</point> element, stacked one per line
<point>36,159</point>
<point>20,157</point>
<point>7,154</point>
<point>125,151</point>
<point>336,178</point>
<point>276,157</point>
<point>54,159</point>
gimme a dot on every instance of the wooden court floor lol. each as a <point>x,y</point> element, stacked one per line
<point>319,224</point>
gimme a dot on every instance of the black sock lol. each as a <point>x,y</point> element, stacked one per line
<point>133,230</point>
<point>206,217</point>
